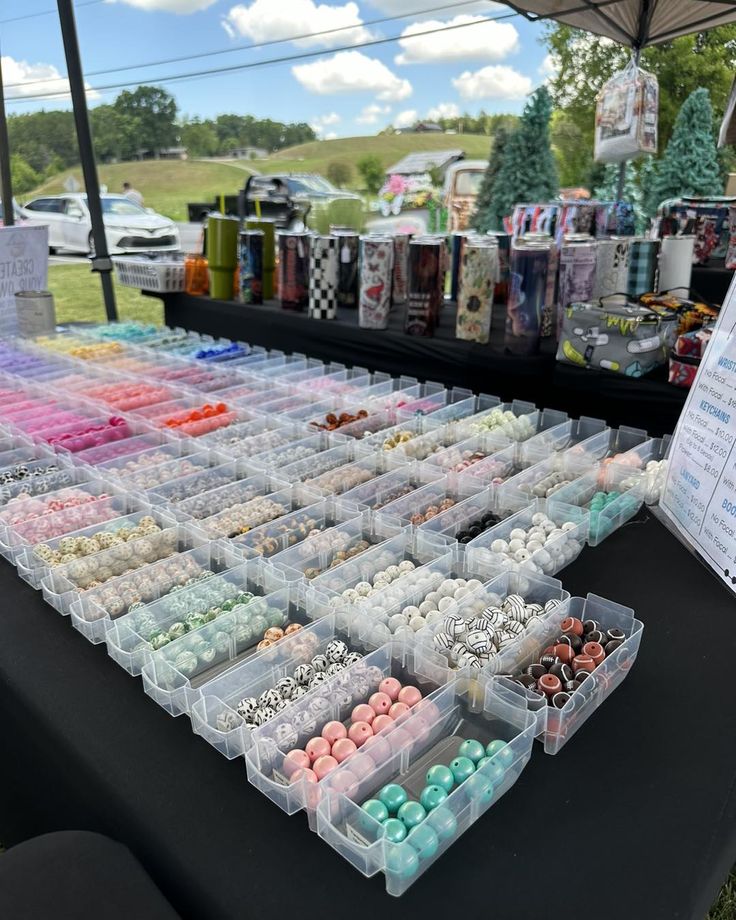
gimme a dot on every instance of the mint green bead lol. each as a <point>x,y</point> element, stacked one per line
<point>375,809</point>
<point>440,775</point>
<point>479,787</point>
<point>411,813</point>
<point>425,841</point>
<point>493,747</point>
<point>432,796</point>
<point>495,772</point>
<point>394,830</point>
<point>393,797</point>
<point>462,768</point>
<point>472,749</point>
<point>402,861</point>
<point>443,822</point>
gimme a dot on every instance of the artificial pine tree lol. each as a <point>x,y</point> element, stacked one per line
<point>483,218</point>
<point>690,163</point>
<point>527,171</point>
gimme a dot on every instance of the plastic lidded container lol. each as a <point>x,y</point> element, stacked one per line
<point>41,485</point>
<point>132,464</point>
<point>458,458</point>
<point>495,468</point>
<point>178,489</point>
<point>240,517</point>
<point>333,700</point>
<point>390,487</point>
<point>65,583</point>
<point>153,477</point>
<point>346,478</point>
<point>646,463</point>
<point>517,420</point>
<point>315,466</point>
<point>212,502</point>
<point>437,495</point>
<point>432,734</point>
<point>297,447</point>
<point>555,726</point>
<point>478,512</point>
<point>544,479</point>
<point>394,437</point>
<point>432,402</point>
<point>245,439</point>
<point>398,391</point>
<point>173,674</point>
<point>560,437</point>
<point>423,446</point>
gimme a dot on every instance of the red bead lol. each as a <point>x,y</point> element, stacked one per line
<point>572,625</point>
<point>596,652</point>
<point>565,653</point>
<point>583,663</point>
<point>549,684</point>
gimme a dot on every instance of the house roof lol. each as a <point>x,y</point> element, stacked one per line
<point>415,163</point>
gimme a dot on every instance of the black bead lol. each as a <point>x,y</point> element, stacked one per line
<point>559,699</point>
<point>590,625</point>
<point>616,633</point>
<point>595,635</point>
<point>536,670</point>
<point>612,646</point>
<point>548,660</point>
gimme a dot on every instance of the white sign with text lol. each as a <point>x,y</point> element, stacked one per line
<point>24,266</point>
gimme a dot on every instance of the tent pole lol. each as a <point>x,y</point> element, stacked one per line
<point>622,167</point>
<point>7,182</point>
<point>101,262</point>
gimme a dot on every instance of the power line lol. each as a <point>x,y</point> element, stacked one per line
<point>77,6</point>
<point>174,78</point>
<point>264,44</point>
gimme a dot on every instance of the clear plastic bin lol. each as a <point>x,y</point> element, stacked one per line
<point>107,515</point>
<point>551,558</point>
<point>172,675</point>
<point>210,503</point>
<point>346,478</point>
<point>430,401</point>
<point>646,462</point>
<point>608,444</point>
<point>479,512</point>
<point>521,423</point>
<point>394,437</point>
<point>396,392</point>
<point>41,485</point>
<point>423,446</point>
<point>295,725</point>
<point>391,487</point>
<point>555,727</point>
<point>179,489</point>
<point>294,449</point>
<point>95,456</point>
<point>251,391</point>
<point>241,517</point>
<point>64,583</point>
<point>560,437</point>
<point>544,479</point>
<point>430,500</point>
<point>375,422</point>
<point>282,406</point>
<point>431,735</point>
<point>496,468</point>
<point>306,517</point>
<point>248,438</point>
<point>459,458</point>
<point>142,606</point>
<point>133,464</point>
<point>574,500</point>
<point>316,466</point>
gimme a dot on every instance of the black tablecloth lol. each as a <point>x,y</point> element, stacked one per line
<point>649,403</point>
<point>635,818</point>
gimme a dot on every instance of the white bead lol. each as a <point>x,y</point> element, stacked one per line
<point>398,619</point>
<point>473,584</point>
<point>434,597</point>
<point>499,546</point>
<point>426,607</point>
<point>516,545</point>
<point>447,588</point>
<point>410,611</point>
<point>406,566</point>
<point>363,588</point>
<point>416,623</point>
<point>461,593</point>
<point>445,603</point>
<point>568,526</point>
<point>393,571</point>
<point>533,546</point>
<point>517,534</point>
<point>538,518</point>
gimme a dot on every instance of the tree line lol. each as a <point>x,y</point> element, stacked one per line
<point>138,123</point>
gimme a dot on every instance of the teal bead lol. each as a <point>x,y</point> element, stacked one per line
<point>440,775</point>
<point>493,747</point>
<point>393,797</point>
<point>402,861</point>
<point>478,787</point>
<point>472,749</point>
<point>462,768</point>
<point>443,822</point>
<point>375,809</point>
<point>425,841</point>
<point>394,830</point>
<point>432,796</point>
<point>492,769</point>
<point>411,813</point>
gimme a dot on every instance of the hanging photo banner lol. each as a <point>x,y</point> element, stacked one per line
<point>24,266</point>
<point>700,492</point>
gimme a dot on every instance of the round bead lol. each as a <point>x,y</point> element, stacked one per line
<point>363,713</point>
<point>402,861</point>
<point>380,703</point>
<point>394,830</point>
<point>472,749</point>
<point>324,765</point>
<point>409,695</point>
<point>304,774</point>
<point>440,775</point>
<point>317,747</point>
<point>393,797</point>
<point>391,687</point>
<point>398,709</point>
<point>375,809</point>
<point>333,731</point>
<point>443,822</point>
<point>343,748</point>
<point>412,814</point>
<point>480,787</point>
<point>432,796</point>
<point>296,760</point>
<point>424,840</point>
<point>381,722</point>
<point>462,768</point>
<point>359,733</point>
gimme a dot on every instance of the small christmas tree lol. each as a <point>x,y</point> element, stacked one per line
<point>527,172</point>
<point>483,218</point>
<point>690,163</point>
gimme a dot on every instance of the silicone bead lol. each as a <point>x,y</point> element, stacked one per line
<point>394,830</point>
<point>424,839</point>
<point>375,809</point>
<point>440,775</point>
<point>432,796</point>
<point>472,749</point>
<point>393,797</point>
<point>411,813</point>
<point>462,768</point>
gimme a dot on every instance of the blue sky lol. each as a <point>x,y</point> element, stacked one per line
<point>489,65</point>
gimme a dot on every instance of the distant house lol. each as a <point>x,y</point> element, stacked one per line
<point>426,127</point>
<point>417,164</point>
<point>166,153</point>
<point>249,153</point>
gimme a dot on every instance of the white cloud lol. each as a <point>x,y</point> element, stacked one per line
<point>267,20</point>
<point>183,7</point>
<point>492,41</point>
<point>371,113</point>
<point>549,68</point>
<point>331,135</point>
<point>406,118</point>
<point>332,118</point>
<point>319,123</point>
<point>23,79</point>
<point>398,7</point>
<point>443,110</point>
<point>493,82</point>
<point>352,72</point>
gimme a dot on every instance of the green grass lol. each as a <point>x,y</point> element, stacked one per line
<point>316,155</point>
<point>166,185</point>
<point>78,298</point>
<point>725,906</point>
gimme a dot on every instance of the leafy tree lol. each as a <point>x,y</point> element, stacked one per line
<point>371,171</point>
<point>527,171</point>
<point>483,217</point>
<point>115,135</point>
<point>690,164</point>
<point>200,138</point>
<point>339,172</point>
<point>154,112</point>
<point>23,176</point>
<point>43,137</point>
<point>573,155</point>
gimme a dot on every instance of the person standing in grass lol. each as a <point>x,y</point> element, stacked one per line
<point>132,193</point>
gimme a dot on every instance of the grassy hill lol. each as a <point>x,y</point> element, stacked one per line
<point>315,156</point>
<point>166,185</point>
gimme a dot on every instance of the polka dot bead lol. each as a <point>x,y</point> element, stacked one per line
<point>542,547</point>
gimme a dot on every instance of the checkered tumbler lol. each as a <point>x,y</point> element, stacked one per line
<point>323,277</point>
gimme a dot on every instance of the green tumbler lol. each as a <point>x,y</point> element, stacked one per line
<point>222,254</point>
<point>268,227</point>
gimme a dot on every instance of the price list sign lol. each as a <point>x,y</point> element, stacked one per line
<point>700,493</point>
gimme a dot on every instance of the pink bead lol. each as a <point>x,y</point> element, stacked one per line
<point>317,747</point>
<point>379,749</point>
<point>381,722</point>
<point>345,781</point>
<point>324,765</point>
<point>362,765</point>
<point>398,709</point>
<point>305,774</point>
<point>380,703</point>
<point>399,738</point>
<point>296,760</point>
<point>333,731</point>
<point>390,686</point>
<point>360,732</point>
<point>409,695</point>
<point>343,748</point>
<point>363,713</point>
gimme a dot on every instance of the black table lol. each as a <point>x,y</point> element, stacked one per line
<point>635,818</point>
<point>649,403</point>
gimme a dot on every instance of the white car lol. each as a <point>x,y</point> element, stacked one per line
<point>128,227</point>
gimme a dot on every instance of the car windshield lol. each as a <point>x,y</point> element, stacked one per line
<point>120,207</point>
<point>468,182</point>
<point>305,184</point>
